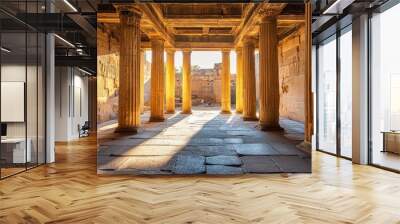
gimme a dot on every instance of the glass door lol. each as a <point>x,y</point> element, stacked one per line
<point>385,89</point>
<point>345,42</point>
<point>326,99</point>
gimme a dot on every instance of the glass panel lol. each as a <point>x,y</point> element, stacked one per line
<point>385,84</point>
<point>13,86</point>
<point>31,98</point>
<point>327,96</point>
<point>346,94</point>
<point>41,98</point>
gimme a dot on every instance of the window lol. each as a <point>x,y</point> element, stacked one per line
<point>327,96</point>
<point>385,89</point>
<point>346,92</point>
<point>22,88</point>
<point>334,94</point>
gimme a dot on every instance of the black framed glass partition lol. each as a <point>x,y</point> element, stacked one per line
<point>334,93</point>
<point>22,88</point>
<point>345,92</point>
<point>385,88</point>
<point>326,91</point>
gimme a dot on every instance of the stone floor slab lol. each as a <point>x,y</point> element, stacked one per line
<point>206,141</point>
<point>223,170</point>
<point>288,149</point>
<point>258,149</point>
<point>223,160</point>
<point>189,164</point>
<point>259,164</point>
<point>212,150</point>
<point>233,141</point>
<point>293,164</point>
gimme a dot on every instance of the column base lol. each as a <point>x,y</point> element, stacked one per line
<point>186,112</point>
<point>266,127</point>
<point>170,112</point>
<point>225,112</point>
<point>239,111</point>
<point>157,119</point>
<point>305,146</point>
<point>132,130</point>
<point>250,118</point>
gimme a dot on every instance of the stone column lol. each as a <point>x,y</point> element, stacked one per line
<point>269,73</point>
<point>249,81</point>
<point>142,63</point>
<point>308,96</point>
<point>170,82</point>
<point>239,80</point>
<point>129,67</point>
<point>92,98</point>
<point>186,83</point>
<point>226,82</point>
<point>157,80</point>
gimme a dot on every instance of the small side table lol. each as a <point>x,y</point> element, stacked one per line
<point>391,141</point>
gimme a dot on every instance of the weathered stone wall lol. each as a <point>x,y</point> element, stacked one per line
<point>291,75</point>
<point>107,76</point>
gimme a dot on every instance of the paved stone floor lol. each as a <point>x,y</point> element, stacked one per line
<point>205,142</point>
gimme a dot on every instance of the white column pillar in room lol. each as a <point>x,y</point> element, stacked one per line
<point>50,98</point>
<point>360,90</point>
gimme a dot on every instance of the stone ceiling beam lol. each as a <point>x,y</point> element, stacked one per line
<point>195,46</point>
<point>202,22</point>
<point>248,21</point>
<point>154,14</point>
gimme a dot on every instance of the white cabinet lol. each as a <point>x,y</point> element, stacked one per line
<point>17,147</point>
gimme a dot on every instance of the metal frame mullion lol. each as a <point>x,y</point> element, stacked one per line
<point>338,93</point>
<point>317,96</point>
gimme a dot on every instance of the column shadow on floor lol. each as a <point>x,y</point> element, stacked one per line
<point>205,142</point>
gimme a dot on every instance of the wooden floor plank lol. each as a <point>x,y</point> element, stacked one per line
<point>70,191</point>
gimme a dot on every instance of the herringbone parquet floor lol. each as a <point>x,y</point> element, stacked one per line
<point>71,192</point>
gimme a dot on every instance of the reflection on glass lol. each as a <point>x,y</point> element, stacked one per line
<point>327,96</point>
<point>31,97</point>
<point>41,99</point>
<point>22,90</point>
<point>15,150</point>
<point>346,94</point>
<point>385,84</point>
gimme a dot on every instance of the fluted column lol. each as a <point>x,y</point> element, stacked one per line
<point>239,80</point>
<point>170,82</point>
<point>92,103</point>
<point>129,67</point>
<point>157,80</point>
<point>269,74</point>
<point>308,96</point>
<point>226,82</point>
<point>142,62</point>
<point>186,83</point>
<point>249,81</point>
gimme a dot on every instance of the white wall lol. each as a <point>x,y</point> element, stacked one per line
<point>71,102</point>
<point>15,73</point>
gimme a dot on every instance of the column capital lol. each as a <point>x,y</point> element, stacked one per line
<point>226,50</point>
<point>238,49</point>
<point>128,9</point>
<point>156,41</point>
<point>187,50</point>
<point>269,11</point>
<point>249,41</point>
<point>170,50</point>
